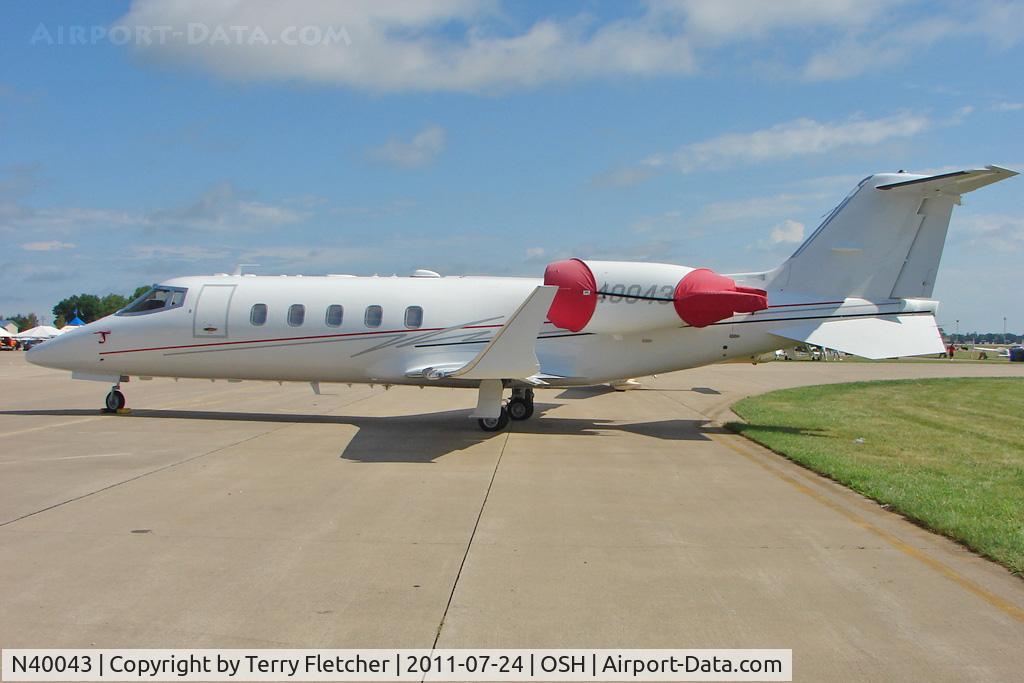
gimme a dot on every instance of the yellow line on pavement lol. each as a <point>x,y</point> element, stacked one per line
<point>988,596</point>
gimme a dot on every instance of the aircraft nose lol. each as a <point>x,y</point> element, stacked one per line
<point>59,352</point>
<point>40,354</point>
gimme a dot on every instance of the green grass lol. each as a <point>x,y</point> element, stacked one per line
<point>960,358</point>
<point>946,453</point>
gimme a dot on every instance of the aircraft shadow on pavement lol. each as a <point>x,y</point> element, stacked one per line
<point>424,437</point>
<point>778,429</point>
<point>586,392</point>
<point>589,392</point>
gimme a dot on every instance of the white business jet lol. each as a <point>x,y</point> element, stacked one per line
<point>861,283</point>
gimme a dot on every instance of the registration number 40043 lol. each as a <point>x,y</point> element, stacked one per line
<point>635,293</point>
<point>51,664</point>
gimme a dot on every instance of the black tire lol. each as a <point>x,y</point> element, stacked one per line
<point>520,409</point>
<point>115,400</point>
<point>494,424</point>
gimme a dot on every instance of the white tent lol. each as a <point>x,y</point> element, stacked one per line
<point>39,332</point>
<point>4,333</point>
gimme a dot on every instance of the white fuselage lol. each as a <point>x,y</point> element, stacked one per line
<point>211,334</point>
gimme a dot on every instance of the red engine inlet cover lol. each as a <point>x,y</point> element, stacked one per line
<point>576,300</point>
<point>703,297</point>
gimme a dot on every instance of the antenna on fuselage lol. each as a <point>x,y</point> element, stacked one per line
<point>240,266</point>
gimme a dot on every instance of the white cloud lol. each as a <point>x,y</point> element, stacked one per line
<point>1007,106</point>
<point>858,53</point>
<point>998,232</point>
<point>422,149</point>
<point>783,236</point>
<point>52,245</point>
<point>741,19</point>
<point>475,45</point>
<point>998,23</point>
<point>455,45</point>
<point>221,207</point>
<point>800,137</point>
<point>787,232</point>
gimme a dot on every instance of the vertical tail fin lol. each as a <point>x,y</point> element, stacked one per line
<point>884,240</point>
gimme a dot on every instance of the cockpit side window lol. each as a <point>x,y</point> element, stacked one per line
<point>158,298</point>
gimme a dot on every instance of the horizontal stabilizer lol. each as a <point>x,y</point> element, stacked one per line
<point>888,337</point>
<point>958,182</point>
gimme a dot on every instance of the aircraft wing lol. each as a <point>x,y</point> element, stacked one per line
<point>898,335</point>
<point>511,352</point>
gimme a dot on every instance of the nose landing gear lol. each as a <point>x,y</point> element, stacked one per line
<point>115,399</point>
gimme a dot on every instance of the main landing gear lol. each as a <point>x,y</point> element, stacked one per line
<point>519,407</point>
<point>494,424</point>
<point>115,399</point>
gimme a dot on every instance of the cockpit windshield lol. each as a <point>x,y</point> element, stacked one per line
<point>158,298</point>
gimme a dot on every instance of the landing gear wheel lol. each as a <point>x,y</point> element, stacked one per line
<point>520,409</point>
<point>494,424</point>
<point>115,400</point>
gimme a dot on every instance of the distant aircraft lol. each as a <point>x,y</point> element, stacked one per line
<point>1001,352</point>
<point>861,283</point>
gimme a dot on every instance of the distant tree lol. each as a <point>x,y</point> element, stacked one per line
<point>24,322</point>
<point>88,307</point>
<point>111,303</point>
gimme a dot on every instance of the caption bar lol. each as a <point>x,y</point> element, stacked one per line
<point>397,665</point>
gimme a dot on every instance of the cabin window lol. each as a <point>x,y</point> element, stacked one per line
<point>258,314</point>
<point>335,313</point>
<point>296,314</point>
<point>414,317</point>
<point>374,315</point>
<point>158,298</point>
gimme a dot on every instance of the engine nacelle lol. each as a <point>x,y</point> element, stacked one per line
<point>621,297</point>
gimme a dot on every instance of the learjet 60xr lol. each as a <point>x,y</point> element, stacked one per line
<point>861,283</point>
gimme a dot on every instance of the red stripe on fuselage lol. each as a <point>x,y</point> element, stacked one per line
<point>287,339</point>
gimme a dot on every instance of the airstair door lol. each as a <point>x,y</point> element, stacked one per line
<point>211,318</point>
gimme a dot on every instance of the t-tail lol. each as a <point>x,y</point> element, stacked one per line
<point>875,258</point>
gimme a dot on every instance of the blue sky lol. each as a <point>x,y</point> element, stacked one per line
<point>148,140</point>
